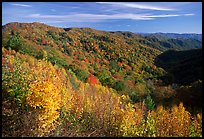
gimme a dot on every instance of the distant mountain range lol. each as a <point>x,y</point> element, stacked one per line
<point>165,41</point>
<point>174,35</point>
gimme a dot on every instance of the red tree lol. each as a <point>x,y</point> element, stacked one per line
<point>14,27</point>
<point>3,61</point>
<point>86,60</point>
<point>92,79</point>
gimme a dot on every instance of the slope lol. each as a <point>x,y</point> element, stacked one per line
<point>115,59</point>
<point>185,67</point>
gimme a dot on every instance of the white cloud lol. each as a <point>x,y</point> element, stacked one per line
<point>168,15</point>
<point>100,17</point>
<point>138,6</point>
<point>22,5</point>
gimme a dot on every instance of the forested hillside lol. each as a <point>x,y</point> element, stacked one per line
<point>87,82</point>
<point>185,67</point>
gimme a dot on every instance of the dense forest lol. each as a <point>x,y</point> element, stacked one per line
<point>61,82</point>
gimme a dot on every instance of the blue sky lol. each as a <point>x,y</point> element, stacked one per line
<point>144,17</point>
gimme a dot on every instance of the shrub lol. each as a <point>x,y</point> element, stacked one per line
<point>174,122</point>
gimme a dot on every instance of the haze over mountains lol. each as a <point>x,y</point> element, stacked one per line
<point>174,41</point>
<point>175,35</point>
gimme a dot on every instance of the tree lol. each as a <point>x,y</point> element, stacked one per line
<point>149,102</point>
<point>103,75</point>
<point>92,80</point>
<point>119,85</point>
<point>81,75</point>
<point>52,35</point>
<point>15,42</point>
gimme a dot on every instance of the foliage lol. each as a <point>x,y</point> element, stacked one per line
<point>109,57</point>
<point>174,122</point>
<point>55,108</point>
<point>85,82</point>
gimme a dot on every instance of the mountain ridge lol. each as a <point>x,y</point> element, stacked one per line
<point>169,34</point>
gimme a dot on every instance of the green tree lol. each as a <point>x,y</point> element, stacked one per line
<point>149,102</point>
<point>82,75</point>
<point>51,34</point>
<point>15,42</point>
<point>119,86</point>
<point>104,75</point>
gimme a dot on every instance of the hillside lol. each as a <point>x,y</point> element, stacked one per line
<point>60,82</point>
<point>185,67</point>
<point>112,57</point>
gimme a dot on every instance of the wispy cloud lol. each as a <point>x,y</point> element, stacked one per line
<point>90,17</point>
<point>53,10</point>
<point>101,17</point>
<point>138,6</point>
<point>188,14</point>
<point>22,5</point>
<point>163,15</point>
<point>169,15</point>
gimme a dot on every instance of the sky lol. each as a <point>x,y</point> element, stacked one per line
<point>138,17</point>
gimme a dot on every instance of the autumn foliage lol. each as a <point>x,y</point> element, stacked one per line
<point>84,82</point>
<point>50,106</point>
